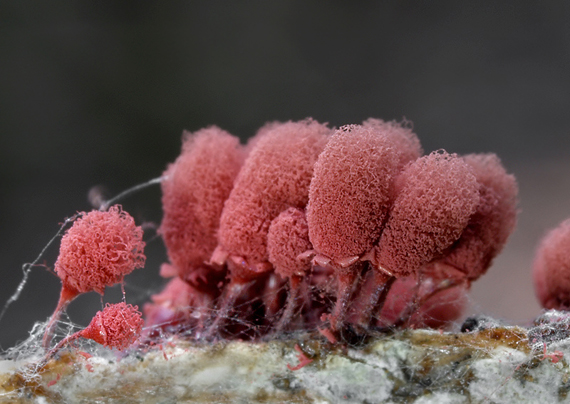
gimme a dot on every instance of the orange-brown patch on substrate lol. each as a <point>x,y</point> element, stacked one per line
<point>30,381</point>
<point>484,340</point>
<point>444,359</point>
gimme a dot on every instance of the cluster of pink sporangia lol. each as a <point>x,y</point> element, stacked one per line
<point>99,249</point>
<point>309,226</point>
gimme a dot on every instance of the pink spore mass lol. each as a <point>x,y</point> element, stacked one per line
<point>405,142</point>
<point>116,326</point>
<point>193,195</point>
<point>288,238</point>
<point>349,198</point>
<point>551,269</point>
<point>493,221</point>
<point>99,250</point>
<point>350,191</point>
<point>310,227</point>
<point>275,176</point>
<point>436,196</point>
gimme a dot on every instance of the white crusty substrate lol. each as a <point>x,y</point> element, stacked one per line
<point>494,365</point>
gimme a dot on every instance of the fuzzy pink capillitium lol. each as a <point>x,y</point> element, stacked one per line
<point>551,268</point>
<point>116,326</point>
<point>400,134</point>
<point>471,255</point>
<point>287,239</point>
<point>351,190</point>
<point>350,195</point>
<point>287,243</point>
<point>193,194</point>
<point>435,198</point>
<point>275,176</point>
<point>99,249</point>
<point>493,221</point>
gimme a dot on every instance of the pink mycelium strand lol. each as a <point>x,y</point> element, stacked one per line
<point>493,221</point>
<point>436,195</point>
<point>551,268</point>
<point>304,360</point>
<point>99,249</point>
<point>287,240</point>
<point>193,196</point>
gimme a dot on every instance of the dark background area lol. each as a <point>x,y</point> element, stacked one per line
<point>99,92</point>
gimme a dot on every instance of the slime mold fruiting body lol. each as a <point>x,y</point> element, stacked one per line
<point>99,250</point>
<point>435,196</point>
<point>287,243</point>
<point>197,185</point>
<point>116,326</point>
<point>551,271</point>
<point>348,203</point>
<point>275,176</point>
<point>317,224</point>
<point>493,221</point>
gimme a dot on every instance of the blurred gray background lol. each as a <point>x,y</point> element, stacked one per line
<point>98,93</point>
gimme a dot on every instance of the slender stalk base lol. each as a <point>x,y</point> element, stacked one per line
<point>373,298</point>
<point>346,278</point>
<point>291,305</point>
<point>65,297</point>
<point>233,292</point>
